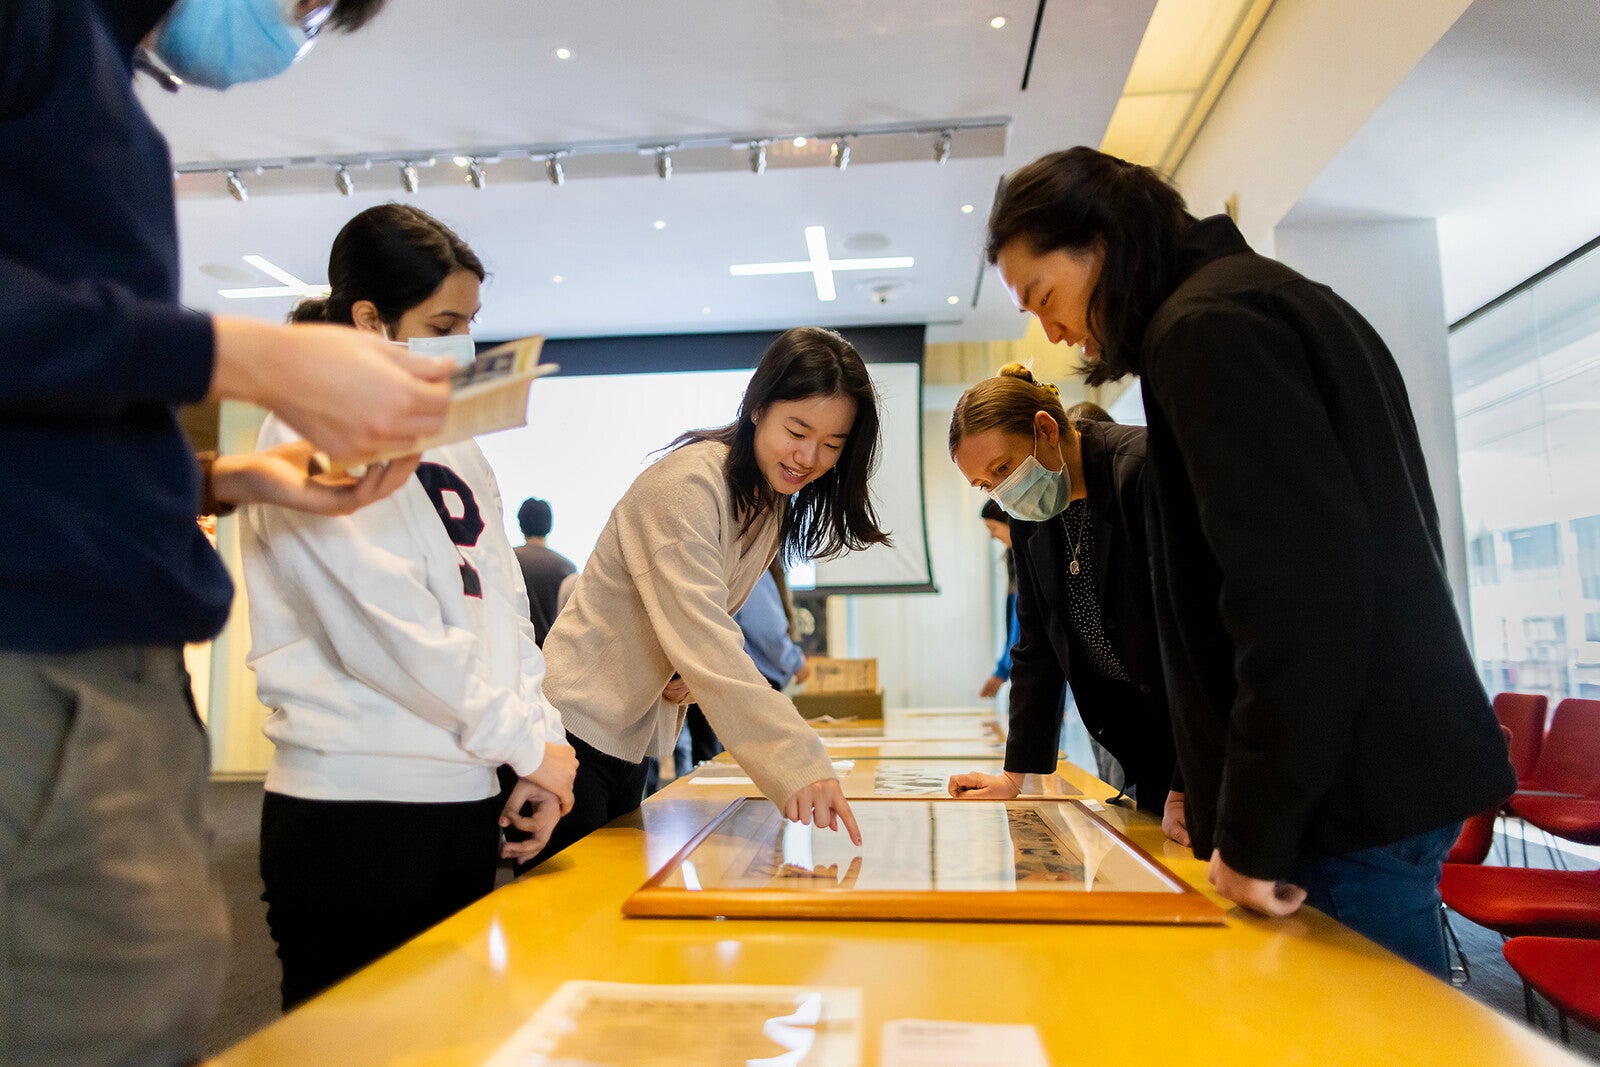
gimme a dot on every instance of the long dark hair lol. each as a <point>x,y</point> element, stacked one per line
<point>834,514</point>
<point>394,255</point>
<point>1074,199</point>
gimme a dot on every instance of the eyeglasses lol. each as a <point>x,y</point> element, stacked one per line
<point>311,24</point>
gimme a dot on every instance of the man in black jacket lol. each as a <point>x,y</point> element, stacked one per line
<point>1330,726</point>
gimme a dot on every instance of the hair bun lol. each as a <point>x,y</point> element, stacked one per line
<point>311,309</point>
<point>1017,370</point>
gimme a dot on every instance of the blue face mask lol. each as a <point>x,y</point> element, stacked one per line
<point>458,346</point>
<point>218,43</point>
<point>1034,492</point>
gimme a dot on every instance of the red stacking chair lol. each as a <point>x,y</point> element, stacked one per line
<point>1562,796</point>
<point>1569,757</point>
<point>1523,714</point>
<point>1518,901</point>
<point>1564,971</point>
<point>1572,818</point>
<point>1472,846</point>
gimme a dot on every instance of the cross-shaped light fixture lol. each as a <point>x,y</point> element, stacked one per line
<point>819,265</point>
<point>291,286</point>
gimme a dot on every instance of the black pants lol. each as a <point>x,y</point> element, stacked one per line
<point>606,787</point>
<point>349,880</point>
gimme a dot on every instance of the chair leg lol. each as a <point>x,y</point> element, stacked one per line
<point>1527,1001</point>
<point>1460,974</point>
<point>1558,855</point>
<point>1566,1038</point>
<point>1522,828</point>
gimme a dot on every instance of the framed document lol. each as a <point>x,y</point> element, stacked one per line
<point>975,860</point>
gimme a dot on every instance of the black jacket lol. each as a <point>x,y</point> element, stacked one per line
<point>1323,696</point>
<point>1128,719</point>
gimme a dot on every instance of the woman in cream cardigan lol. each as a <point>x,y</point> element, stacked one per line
<point>650,626</point>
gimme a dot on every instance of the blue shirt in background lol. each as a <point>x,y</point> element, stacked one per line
<point>766,633</point>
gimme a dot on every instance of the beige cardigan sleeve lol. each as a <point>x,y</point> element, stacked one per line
<point>679,566</point>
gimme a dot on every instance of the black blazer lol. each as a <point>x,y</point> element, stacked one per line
<point>1128,719</point>
<point>1323,696</point>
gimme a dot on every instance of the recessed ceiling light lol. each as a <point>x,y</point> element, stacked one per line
<point>566,53</point>
<point>463,161</point>
<point>558,279</point>
<point>705,311</point>
<point>966,209</point>
<point>660,224</point>
<point>799,142</point>
<point>998,22</point>
<point>952,300</point>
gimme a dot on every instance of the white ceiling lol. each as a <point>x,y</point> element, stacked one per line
<point>482,72</point>
<point>1497,135</point>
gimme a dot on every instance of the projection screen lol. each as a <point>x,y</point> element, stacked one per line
<point>617,401</point>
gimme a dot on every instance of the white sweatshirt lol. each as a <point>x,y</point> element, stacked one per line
<point>396,655</point>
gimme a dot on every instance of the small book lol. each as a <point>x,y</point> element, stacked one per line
<point>487,395</point>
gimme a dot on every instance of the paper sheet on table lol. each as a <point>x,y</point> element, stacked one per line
<point>488,395</point>
<point>936,1043</point>
<point>615,1024</point>
<point>733,774</point>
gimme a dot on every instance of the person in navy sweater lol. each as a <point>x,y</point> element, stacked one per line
<point>113,927</point>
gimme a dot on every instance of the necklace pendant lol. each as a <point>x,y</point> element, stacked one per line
<point>1072,568</point>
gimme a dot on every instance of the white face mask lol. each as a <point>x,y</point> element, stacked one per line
<point>1034,492</point>
<point>458,346</point>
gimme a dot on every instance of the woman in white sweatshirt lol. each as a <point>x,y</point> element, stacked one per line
<point>394,650</point>
<point>679,555</point>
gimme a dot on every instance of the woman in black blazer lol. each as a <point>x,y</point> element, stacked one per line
<point>1075,497</point>
<point>1330,726</point>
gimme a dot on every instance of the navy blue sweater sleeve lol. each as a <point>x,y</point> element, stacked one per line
<point>90,318</point>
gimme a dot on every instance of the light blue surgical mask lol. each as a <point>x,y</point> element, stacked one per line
<point>458,346</point>
<point>1034,492</point>
<point>218,43</point>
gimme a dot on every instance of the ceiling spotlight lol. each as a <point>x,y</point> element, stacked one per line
<point>997,23</point>
<point>841,153</point>
<point>462,161</point>
<point>552,169</point>
<point>557,279</point>
<point>941,147</point>
<point>475,174</point>
<point>758,157</point>
<point>952,300</point>
<point>409,179</point>
<point>563,53</point>
<point>664,163</point>
<point>800,142</point>
<point>344,181</point>
<point>660,224</point>
<point>966,209</point>
<point>236,187</point>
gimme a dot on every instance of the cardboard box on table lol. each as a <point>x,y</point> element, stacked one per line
<point>841,688</point>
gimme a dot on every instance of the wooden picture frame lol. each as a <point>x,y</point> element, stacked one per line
<point>964,860</point>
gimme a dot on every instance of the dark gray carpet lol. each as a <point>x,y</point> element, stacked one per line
<point>251,998</point>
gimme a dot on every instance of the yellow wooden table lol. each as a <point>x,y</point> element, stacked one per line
<point>1296,991</point>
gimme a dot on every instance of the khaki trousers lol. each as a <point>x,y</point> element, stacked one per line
<point>113,928</point>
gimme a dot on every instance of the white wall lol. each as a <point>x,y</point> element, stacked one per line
<point>1314,75</point>
<point>1389,271</point>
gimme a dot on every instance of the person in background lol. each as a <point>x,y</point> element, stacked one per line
<point>114,923</point>
<point>1331,727</point>
<point>680,554</point>
<point>394,649</point>
<point>999,527</point>
<point>543,568</point>
<point>765,622</point>
<point>1075,498</point>
<point>1088,411</point>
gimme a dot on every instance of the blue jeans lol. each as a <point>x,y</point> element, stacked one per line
<point>1389,893</point>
